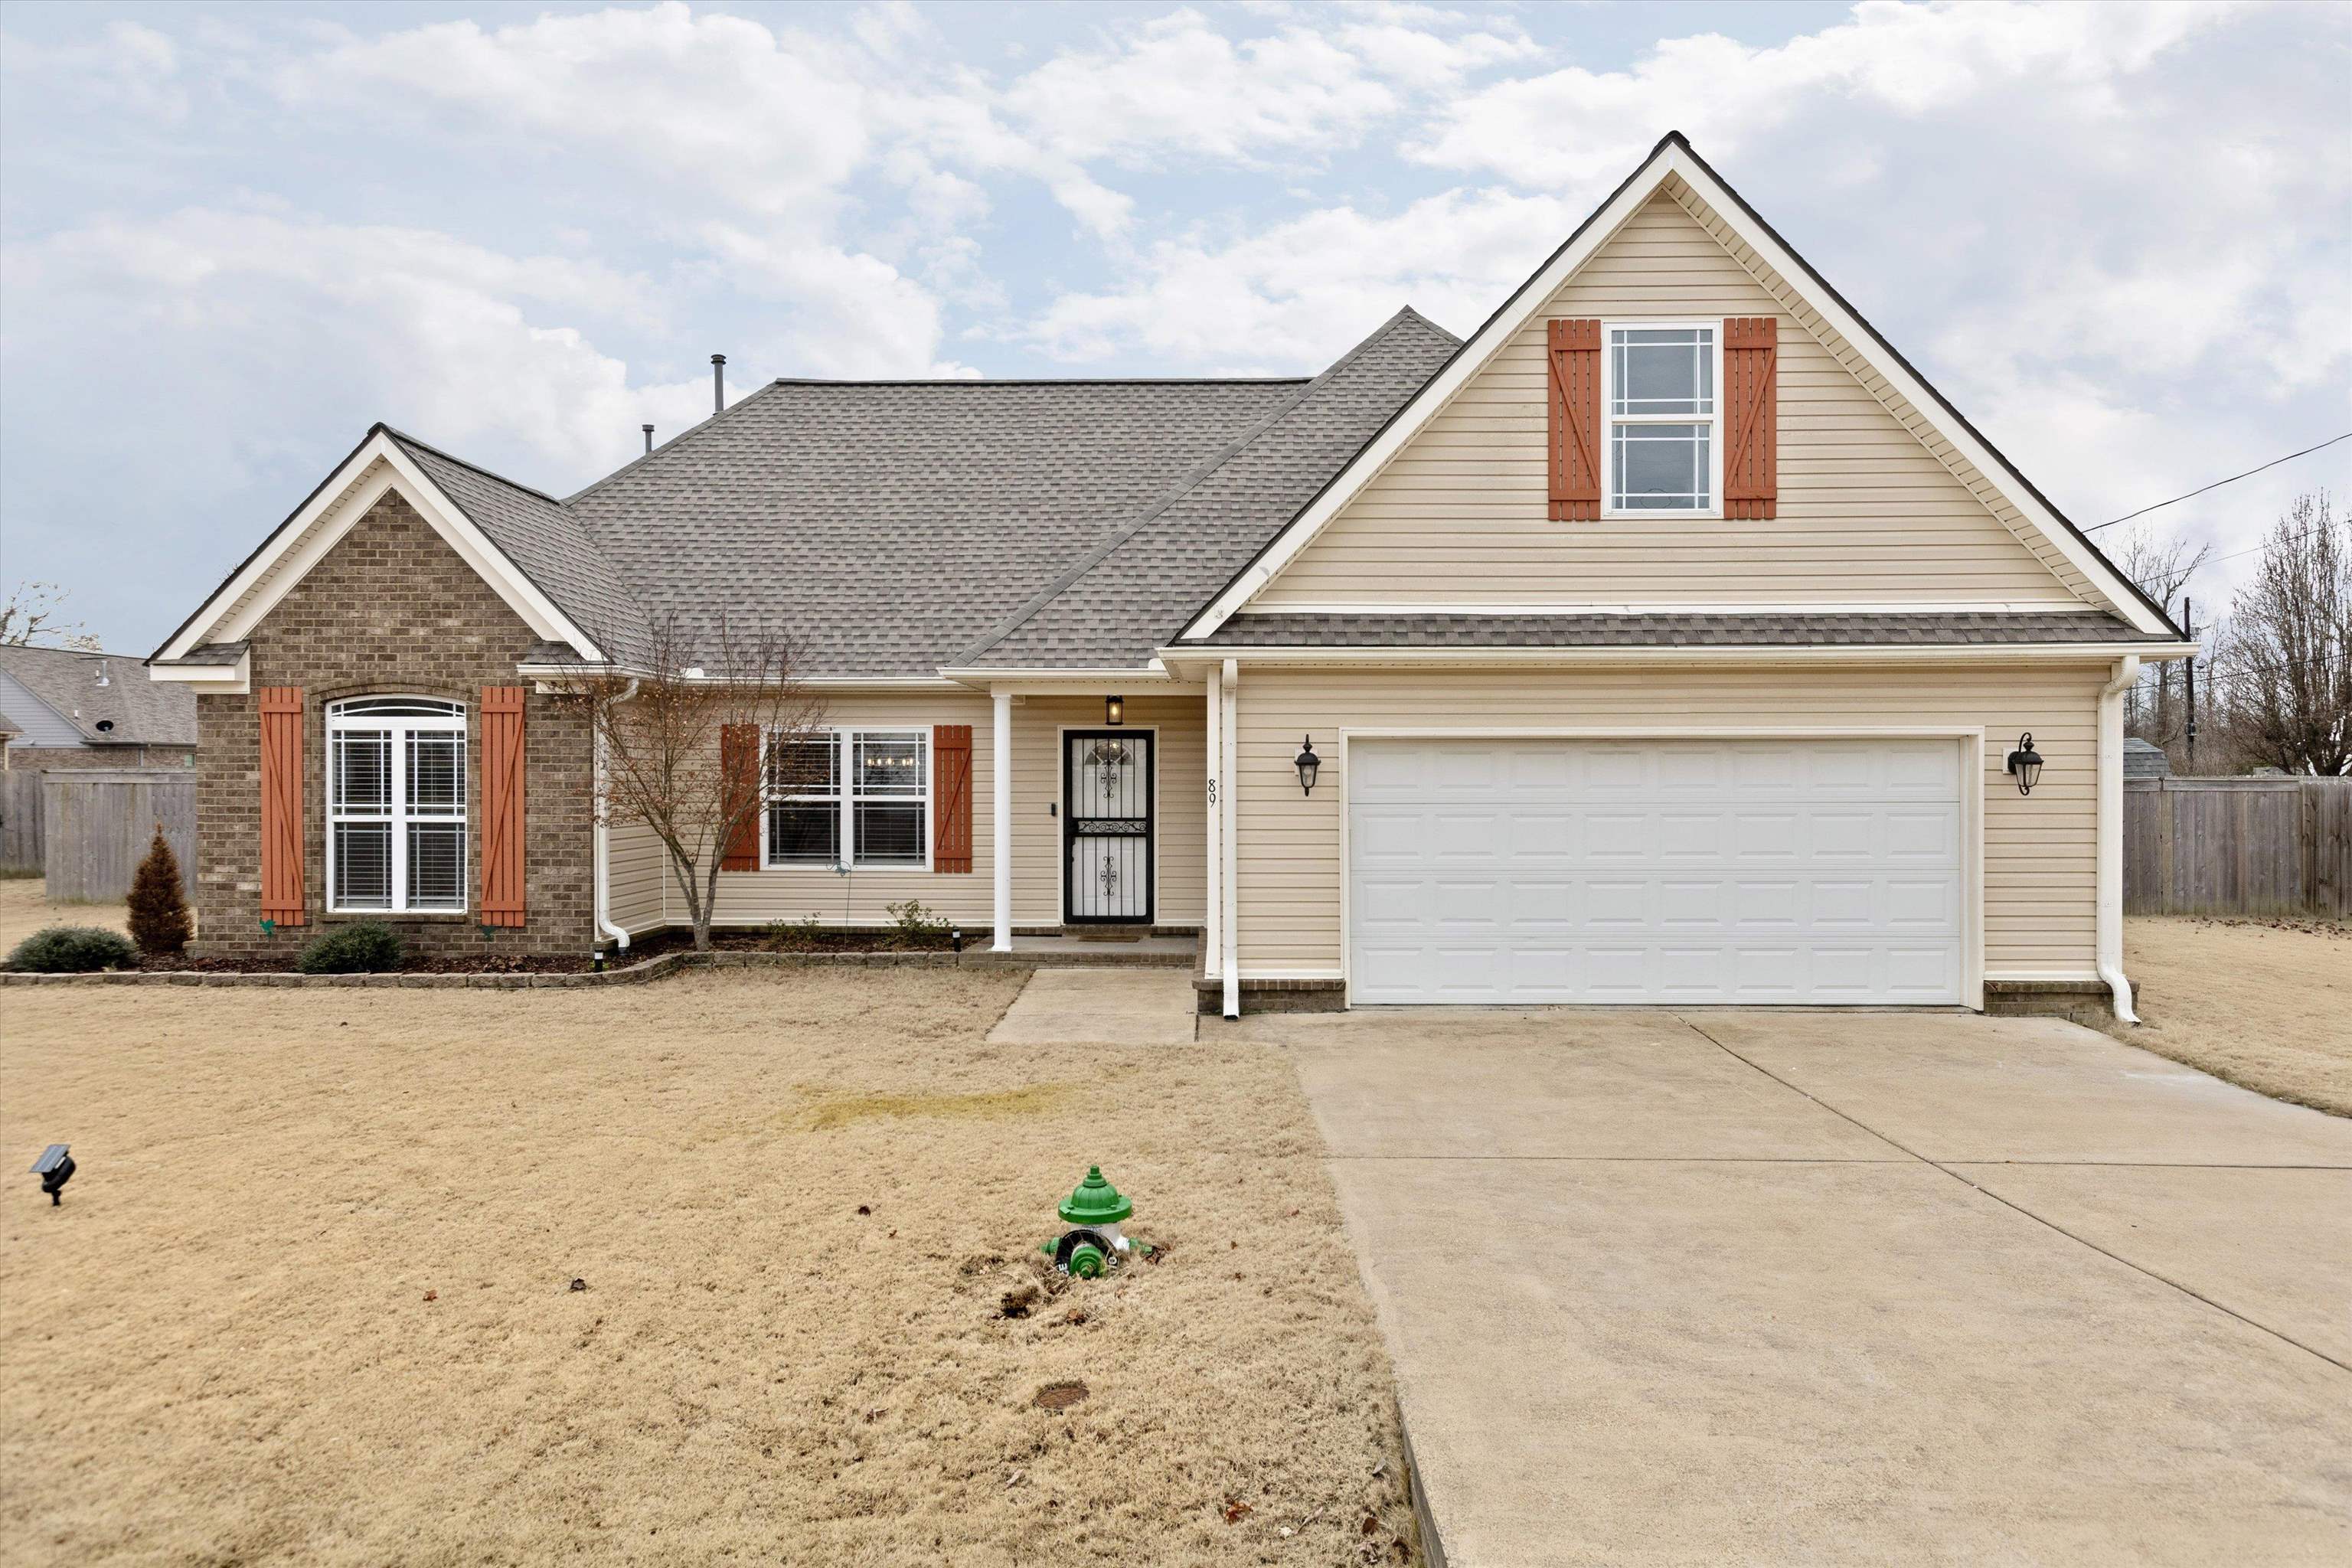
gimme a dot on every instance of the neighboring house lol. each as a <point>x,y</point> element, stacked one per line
<point>1663,642</point>
<point>2145,760</point>
<point>73,708</point>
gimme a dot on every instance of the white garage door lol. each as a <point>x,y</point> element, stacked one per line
<point>1681,871</point>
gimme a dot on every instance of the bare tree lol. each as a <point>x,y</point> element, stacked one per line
<point>685,742</point>
<point>32,614</point>
<point>2162,563</point>
<point>2283,669</point>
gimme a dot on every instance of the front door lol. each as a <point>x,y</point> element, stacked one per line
<point>1107,824</point>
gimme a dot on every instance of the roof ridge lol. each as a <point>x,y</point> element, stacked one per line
<point>405,440</point>
<point>1185,484</point>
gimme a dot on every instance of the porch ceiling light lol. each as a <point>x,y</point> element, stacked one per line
<point>1308,765</point>
<point>1114,709</point>
<point>2025,764</point>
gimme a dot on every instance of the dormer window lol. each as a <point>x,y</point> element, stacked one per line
<point>1659,382</point>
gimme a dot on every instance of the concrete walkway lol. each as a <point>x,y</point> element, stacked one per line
<point>1126,1007</point>
<point>1815,1288</point>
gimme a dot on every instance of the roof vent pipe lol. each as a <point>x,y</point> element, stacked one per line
<point>650,437</point>
<point>718,384</point>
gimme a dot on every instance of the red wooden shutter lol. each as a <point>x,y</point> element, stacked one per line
<point>1751,404</point>
<point>502,797</point>
<point>282,897</point>
<point>951,797</point>
<point>738,762</point>
<point>1574,428</point>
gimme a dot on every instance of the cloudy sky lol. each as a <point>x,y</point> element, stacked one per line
<point>2118,237</point>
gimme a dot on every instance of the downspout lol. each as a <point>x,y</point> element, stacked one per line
<point>2108,927</point>
<point>1228,827</point>
<point>604,925</point>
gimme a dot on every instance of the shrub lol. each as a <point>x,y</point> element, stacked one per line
<point>368,947</point>
<point>159,909</point>
<point>794,936</point>
<point>65,950</point>
<point>917,926</point>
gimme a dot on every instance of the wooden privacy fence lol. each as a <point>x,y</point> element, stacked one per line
<point>2238,846</point>
<point>20,820</point>
<point>99,822</point>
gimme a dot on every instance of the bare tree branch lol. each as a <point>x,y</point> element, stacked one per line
<point>32,614</point>
<point>664,738</point>
<point>2282,671</point>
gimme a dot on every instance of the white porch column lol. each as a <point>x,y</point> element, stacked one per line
<point>1001,811</point>
<point>1228,831</point>
<point>1212,907</point>
<point>2107,929</point>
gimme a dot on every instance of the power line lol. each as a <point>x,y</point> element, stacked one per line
<point>2216,561</point>
<point>2217,484</point>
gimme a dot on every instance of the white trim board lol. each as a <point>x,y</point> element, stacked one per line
<point>377,465</point>
<point>1672,159</point>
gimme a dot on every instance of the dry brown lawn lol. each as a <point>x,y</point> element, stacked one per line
<point>308,1298</point>
<point>24,909</point>
<point>2267,1005</point>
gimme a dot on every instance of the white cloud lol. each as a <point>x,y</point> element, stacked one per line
<point>1575,127</point>
<point>458,343</point>
<point>1298,294</point>
<point>129,66</point>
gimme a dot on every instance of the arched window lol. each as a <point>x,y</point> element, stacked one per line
<point>396,804</point>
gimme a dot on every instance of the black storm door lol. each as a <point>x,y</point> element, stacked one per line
<point>1107,825</point>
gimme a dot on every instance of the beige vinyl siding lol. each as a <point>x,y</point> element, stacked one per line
<point>756,897</point>
<point>636,876</point>
<point>1867,513</point>
<point>2039,851</point>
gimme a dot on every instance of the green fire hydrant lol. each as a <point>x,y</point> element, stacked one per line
<point>1093,1245</point>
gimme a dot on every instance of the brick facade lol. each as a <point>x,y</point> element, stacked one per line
<point>392,610</point>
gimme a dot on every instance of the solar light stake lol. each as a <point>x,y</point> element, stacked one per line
<point>56,1168</point>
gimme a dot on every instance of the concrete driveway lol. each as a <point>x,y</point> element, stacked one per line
<point>1813,1288</point>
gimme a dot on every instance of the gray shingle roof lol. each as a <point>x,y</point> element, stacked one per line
<point>886,525</point>
<point>1258,629</point>
<point>136,709</point>
<point>1135,590</point>
<point>547,544</point>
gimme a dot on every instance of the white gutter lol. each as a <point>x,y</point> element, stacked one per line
<point>603,872</point>
<point>2108,927</point>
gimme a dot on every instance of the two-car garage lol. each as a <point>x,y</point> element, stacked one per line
<point>1749,870</point>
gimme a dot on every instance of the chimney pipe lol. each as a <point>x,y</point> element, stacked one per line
<point>650,437</point>
<point>718,384</point>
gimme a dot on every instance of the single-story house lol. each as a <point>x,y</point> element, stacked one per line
<point>76,708</point>
<point>1667,640</point>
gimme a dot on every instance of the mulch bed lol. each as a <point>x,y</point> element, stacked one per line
<point>652,945</point>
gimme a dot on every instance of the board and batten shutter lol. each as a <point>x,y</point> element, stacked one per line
<point>739,766</point>
<point>1573,428</point>
<point>283,895</point>
<point>502,803</point>
<point>951,797</point>
<point>1751,402</point>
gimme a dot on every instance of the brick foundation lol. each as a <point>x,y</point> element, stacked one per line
<point>391,610</point>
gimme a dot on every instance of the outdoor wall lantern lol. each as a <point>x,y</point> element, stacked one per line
<point>1114,709</point>
<point>1308,765</point>
<point>2025,764</point>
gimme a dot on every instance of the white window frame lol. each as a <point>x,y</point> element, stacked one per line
<point>342,716</point>
<point>845,738</point>
<point>1611,420</point>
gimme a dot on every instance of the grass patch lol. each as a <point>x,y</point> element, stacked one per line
<point>20,873</point>
<point>834,1108</point>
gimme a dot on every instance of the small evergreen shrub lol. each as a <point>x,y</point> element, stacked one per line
<point>160,923</point>
<point>367,947</point>
<point>67,950</point>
